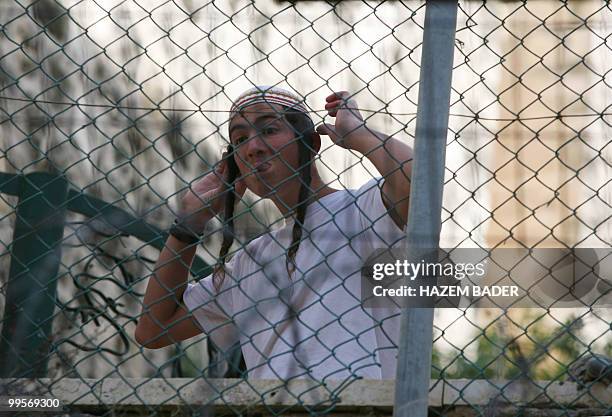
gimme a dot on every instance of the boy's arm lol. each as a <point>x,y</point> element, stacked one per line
<point>391,157</point>
<point>164,319</point>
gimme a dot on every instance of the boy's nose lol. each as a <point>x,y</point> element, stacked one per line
<point>255,146</point>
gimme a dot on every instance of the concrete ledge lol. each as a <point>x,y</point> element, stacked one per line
<point>141,395</point>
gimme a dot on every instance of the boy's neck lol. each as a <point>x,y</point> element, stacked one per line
<point>319,190</point>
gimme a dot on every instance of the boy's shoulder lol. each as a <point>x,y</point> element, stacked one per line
<point>346,201</point>
<point>347,198</point>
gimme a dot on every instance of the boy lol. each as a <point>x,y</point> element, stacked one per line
<point>291,297</point>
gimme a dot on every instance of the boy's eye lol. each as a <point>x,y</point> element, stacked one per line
<point>240,139</point>
<point>268,130</point>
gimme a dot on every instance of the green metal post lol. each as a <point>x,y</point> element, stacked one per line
<point>31,289</point>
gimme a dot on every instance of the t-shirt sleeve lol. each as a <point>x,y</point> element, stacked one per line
<point>213,308</point>
<point>377,223</point>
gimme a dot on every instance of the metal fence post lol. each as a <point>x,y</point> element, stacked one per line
<point>31,289</point>
<point>423,230</point>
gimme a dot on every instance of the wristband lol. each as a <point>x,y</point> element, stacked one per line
<point>183,233</point>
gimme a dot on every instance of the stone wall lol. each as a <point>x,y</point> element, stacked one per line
<point>186,396</point>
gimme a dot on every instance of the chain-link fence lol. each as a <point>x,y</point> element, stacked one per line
<point>112,111</point>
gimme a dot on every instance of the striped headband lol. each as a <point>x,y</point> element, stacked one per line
<point>267,94</point>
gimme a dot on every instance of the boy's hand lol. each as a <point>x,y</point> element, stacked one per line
<point>205,198</point>
<point>349,122</point>
<point>391,157</point>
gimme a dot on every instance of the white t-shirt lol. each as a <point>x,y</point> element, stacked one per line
<point>312,325</point>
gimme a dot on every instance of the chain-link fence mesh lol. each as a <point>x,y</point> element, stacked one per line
<point>130,102</point>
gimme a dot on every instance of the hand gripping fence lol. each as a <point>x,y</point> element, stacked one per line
<point>111,113</point>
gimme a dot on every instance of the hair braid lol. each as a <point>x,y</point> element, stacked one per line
<point>304,130</point>
<point>228,218</point>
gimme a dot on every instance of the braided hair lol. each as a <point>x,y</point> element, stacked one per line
<point>304,130</point>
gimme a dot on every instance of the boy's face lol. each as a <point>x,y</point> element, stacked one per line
<point>266,149</point>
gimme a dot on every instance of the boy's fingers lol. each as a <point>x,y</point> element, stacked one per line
<point>240,187</point>
<point>327,130</point>
<point>333,107</point>
<point>331,97</point>
<point>333,104</point>
<point>220,167</point>
<point>338,95</point>
<point>338,101</point>
<point>219,175</point>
